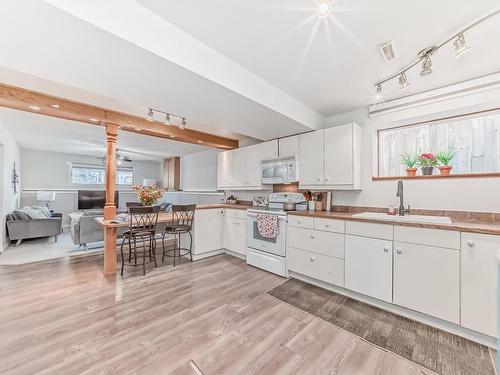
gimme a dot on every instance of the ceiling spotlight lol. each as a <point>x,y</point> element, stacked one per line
<point>93,119</point>
<point>150,115</point>
<point>34,107</point>
<point>56,106</point>
<point>323,8</point>
<point>378,93</point>
<point>403,81</point>
<point>167,119</point>
<point>426,66</point>
<point>183,124</point>
<point>460,46</point>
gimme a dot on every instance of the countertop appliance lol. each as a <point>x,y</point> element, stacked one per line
<point>279,171</point>
<point>270,253</point>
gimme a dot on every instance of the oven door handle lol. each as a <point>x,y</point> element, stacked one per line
<point>254,214</point>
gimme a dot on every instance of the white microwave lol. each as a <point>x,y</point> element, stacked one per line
<point>279,171</point>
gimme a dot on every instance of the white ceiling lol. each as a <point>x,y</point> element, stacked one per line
<point>257,68</point>
<point>38,132</point>
<point>331,65</point>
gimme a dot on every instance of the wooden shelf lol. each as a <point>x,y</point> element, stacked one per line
<point>438,176</point>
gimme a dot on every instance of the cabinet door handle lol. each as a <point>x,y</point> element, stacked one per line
<point>312,259</point>
<point>319,178</point>
<point>312,237</point>
<point>327,179</point>
<point>399,251</point>
<point>327,225</point>
<point>299,222</point>
<point>386,248</point>
<point>470,243</point>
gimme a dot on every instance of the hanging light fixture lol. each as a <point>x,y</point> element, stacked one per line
<point>150,115</point>
<point>460,46</point>
<point>426,66</point>
<point>167,119</point>
<point>183,124</point>
<point>403,81</point>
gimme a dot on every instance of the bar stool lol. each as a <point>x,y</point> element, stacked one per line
<point>180,223</point>
<point>142,227</point>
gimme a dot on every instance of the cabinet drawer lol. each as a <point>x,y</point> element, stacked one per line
<point>317,266</point>
<point>425,236</point>
<point>238,214</point>
<point>329,225</point>
<point>372,230</point>
<point>330,244</point>
<point>300,221</point>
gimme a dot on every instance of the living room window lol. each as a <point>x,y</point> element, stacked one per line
<point>82,174</point>
<point>474,138</point>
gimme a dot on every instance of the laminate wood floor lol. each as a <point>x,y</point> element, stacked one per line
<point>437,350</point>
<point>209,317</point>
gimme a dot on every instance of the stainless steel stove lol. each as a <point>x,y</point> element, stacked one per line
<point>270,253</point>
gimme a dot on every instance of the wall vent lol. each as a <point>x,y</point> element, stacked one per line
<point>388,51</point>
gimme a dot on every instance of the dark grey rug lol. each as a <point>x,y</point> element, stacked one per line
<point>432,348</point>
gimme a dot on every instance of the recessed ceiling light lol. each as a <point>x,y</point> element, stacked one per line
<point>56,106</point>
<point>93,119</point>
<point>34,107</point>
<point>200,141</point>
<point>323,8</point>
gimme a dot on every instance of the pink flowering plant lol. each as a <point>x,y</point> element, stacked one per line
<point>427,159</point>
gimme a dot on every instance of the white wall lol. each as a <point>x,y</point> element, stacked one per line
<point>9,200</point>
<point>199,171</point>
<point>50,171</point>
<point>468,194</point>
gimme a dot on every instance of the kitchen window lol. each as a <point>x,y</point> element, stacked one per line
<point>475,138</point>
<point>96,175</point>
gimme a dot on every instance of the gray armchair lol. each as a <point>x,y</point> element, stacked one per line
<point>22,229</point>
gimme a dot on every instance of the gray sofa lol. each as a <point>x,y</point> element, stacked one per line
<point>22,228</point>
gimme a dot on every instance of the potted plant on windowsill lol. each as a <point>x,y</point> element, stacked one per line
<point>427,162</point>
<point>410,160</point>
<point>444,158</point>
<point>148,195</point>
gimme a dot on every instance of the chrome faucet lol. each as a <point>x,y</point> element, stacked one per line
<point>400,194</point>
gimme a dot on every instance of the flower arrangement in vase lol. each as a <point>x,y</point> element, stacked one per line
<point>410,160</point>
<point>427,162</point>
<point>444,158</point>
<point>148,195</point>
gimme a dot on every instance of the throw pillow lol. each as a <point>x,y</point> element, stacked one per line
<point>34,213</point>
<point>20,215</point>
<point>45,210</point>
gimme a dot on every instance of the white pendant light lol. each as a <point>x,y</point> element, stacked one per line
<point>403,81</point>
<point>460,46</point>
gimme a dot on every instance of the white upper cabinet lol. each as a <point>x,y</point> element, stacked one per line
<point>288,146</point>
<point>239,169</point>
<point>311,159</point>
<point>331,158</point>
<point>225,167</point>
<point>268,150</point>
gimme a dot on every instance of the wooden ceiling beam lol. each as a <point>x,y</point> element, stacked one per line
<point>36,102</point>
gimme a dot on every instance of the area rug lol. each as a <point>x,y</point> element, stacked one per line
<point>429,347</point>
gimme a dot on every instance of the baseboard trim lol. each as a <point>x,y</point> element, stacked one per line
<point>407,313</point>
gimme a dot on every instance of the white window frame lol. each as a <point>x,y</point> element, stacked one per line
<point>72,165</point>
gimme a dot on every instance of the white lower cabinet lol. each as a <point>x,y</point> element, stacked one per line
<point>318,266</point>
<point>206,231</point>
<point>234,234</point>
<point>368,266</point>
<point>479,282</point>
<point>326,243</point>
<point>426,279</point>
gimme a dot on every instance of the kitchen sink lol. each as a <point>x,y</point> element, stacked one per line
<point>422,219</point>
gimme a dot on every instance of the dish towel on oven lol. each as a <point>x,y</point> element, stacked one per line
<point>268,225</point>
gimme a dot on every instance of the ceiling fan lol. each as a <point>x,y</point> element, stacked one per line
<point>120,159</point>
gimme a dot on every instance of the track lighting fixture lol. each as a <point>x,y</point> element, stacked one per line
<point>460,46</point>
<point>424,57</point>
<point>168,117</point>
<point>426,66</point>
<point>403,81</point>
<point>150,115</point>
